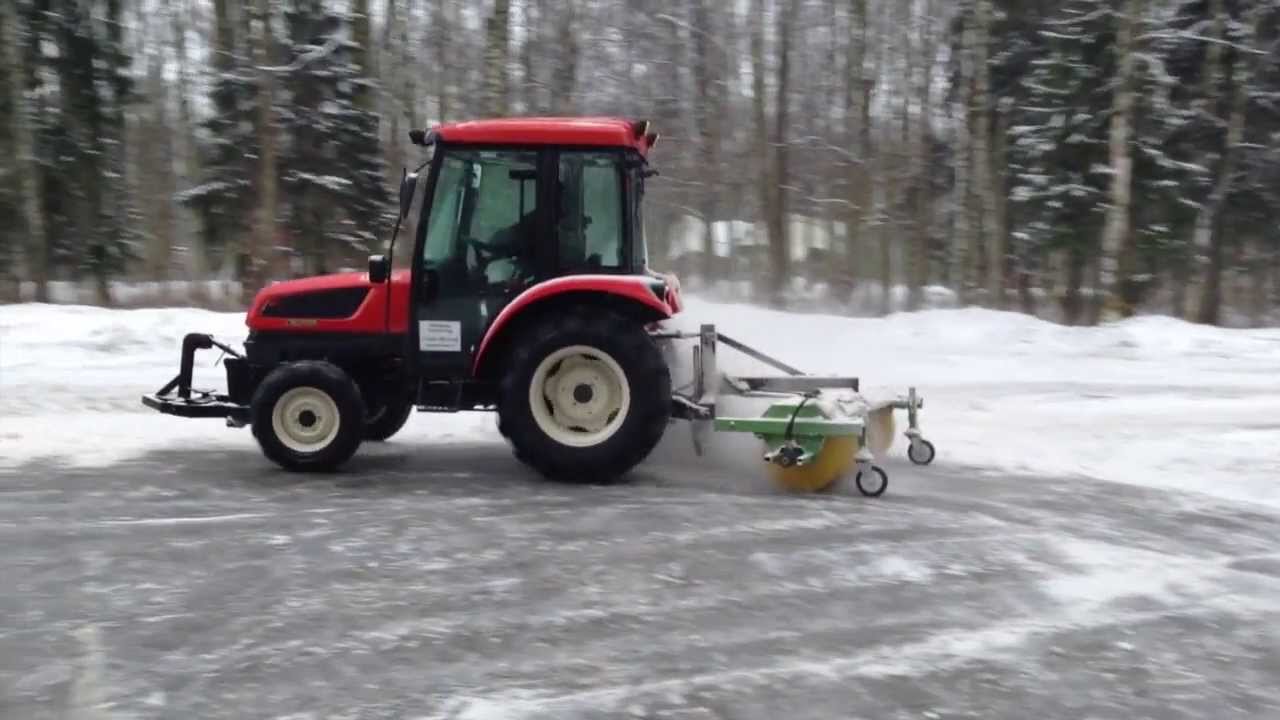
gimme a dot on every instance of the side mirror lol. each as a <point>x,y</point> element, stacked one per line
<point>408,184</point>
<point>379,269</point>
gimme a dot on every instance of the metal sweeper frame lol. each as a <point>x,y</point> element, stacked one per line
<point>817,427</point>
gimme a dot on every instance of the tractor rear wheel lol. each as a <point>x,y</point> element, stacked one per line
<point>585,397</point>
<point>308,416</point>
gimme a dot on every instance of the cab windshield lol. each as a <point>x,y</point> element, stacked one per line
<point>485,219</point>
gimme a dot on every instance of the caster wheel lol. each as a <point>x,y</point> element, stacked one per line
<point>921,452</point>
<point>872,486</point>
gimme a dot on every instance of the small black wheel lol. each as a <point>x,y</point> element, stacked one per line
<point>308,416</point>
<point>872,490</point>
<point>924,456</point>
<point>585,396</point>
<point>387,418</point>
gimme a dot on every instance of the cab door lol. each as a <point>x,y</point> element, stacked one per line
<point>481,245</point>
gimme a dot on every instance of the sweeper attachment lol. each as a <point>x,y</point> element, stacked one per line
<point>814,431</point>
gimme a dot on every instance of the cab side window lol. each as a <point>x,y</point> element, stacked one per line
<point>482,216</point>
<point>589,225</point>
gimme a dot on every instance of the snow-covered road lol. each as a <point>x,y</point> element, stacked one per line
<point>1100,537</point>
<point>444,582</point>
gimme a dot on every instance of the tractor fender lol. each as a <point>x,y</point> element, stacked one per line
<point>642,298</point>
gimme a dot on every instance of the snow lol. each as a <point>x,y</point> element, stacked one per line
<point>1149,401</point>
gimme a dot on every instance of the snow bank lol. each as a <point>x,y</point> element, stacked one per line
<point>1150,401</point>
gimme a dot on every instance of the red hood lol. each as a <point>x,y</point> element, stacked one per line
<point>369,317</point>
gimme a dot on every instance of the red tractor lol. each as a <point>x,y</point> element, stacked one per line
<point>528,294</point>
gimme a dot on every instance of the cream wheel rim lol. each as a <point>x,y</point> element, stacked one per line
<point>579,396</point>
<point>305,419</point>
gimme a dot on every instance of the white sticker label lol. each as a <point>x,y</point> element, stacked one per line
<point>439,336</point>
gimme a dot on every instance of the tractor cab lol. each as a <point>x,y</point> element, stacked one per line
<point>511,204</point>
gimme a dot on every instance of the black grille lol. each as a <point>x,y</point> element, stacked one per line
<point>339,303</point>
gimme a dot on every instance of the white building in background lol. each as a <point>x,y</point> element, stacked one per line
<point>736,241</point>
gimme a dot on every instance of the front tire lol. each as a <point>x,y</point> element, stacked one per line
<point>308,416</point>
<point>585,397</point>
<point>388,418</point>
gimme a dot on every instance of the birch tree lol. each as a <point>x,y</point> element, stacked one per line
<point>918,262</point>
<point>707,68</point>
<point>984,236</point>
<point>1115,262</point>
<point>857,136</point>
<point>779,241</point>
<point>496,56</point>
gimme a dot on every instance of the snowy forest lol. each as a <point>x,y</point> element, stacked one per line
<point>1080,160</point>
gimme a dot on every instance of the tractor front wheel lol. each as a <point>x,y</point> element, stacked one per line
<point>308,416</point>
<point>387,418</point>
<point>585,397</point>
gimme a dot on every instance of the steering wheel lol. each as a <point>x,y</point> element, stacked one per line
<point>485,254</point>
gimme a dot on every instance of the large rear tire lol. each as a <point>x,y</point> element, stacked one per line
<point>585,396</point>
<point>308,416</point>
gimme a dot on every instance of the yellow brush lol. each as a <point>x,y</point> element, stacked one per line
<point>831,463</point>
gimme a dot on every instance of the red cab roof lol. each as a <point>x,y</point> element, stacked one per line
<point>589,131</point>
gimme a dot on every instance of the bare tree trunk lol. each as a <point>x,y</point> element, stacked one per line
<point>1257,262</point>
<point>965,231</point>
<point>185,155</point>
<point>496,54</point>
<point>441,27</point>
<point>113,199</point>
<point>264,232</point>
<point>779,244</point>
<point>1096,298</point>
<point>1016,264</point>
<point>707,69</point>
<point>1072,301</point>
<point>898,184</point>
<point>28,175</point>
<point>1117,238</point>
<point>11,238</point>
<point>764,157</point>
<point>362,55</point>
<point>1209,223</point>
<point>984,176</point>
<point>1273,296</point>
<point>1179,278</point>
<point>857,137</point>
<point>152,145</point>
<point>918,264</point>
<point>391,70</point>
<point>565,79</point>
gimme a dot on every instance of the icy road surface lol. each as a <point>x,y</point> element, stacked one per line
<point>444,582</point>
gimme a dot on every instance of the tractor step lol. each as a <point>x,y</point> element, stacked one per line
<point>451,396</point>
<point>440,397</point>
